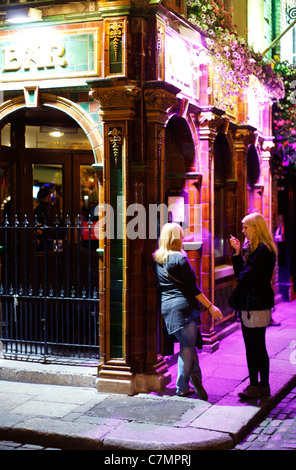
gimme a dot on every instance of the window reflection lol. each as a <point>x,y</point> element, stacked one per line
<point>6,135</point>
<point>48,190</point>
<point>88,192</point>
<point>89,200</point>
<point>5,193</point>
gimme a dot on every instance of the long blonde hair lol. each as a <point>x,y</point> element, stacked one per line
<point>261,233</point>
<point>170,241</point>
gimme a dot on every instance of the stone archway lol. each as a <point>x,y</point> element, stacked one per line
<point>180,151</point>
<point>45,108</point>
<point>65,105</point>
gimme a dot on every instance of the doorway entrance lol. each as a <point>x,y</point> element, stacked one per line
<point>49,252</point>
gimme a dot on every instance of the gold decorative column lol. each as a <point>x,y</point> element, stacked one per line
<point>117,100</point>
<point>134,138</point>
<point>159,98</point>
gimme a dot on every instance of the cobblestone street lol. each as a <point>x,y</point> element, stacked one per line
<point>277,431</point>
<point>10,445</point>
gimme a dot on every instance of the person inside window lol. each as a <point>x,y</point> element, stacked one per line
<point>45,216</point>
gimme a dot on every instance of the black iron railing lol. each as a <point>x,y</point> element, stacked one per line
<point>49,290</point>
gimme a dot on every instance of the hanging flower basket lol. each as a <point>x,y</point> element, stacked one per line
<point>233,60</point>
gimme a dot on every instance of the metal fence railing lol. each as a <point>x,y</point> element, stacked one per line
<point>49,290</point>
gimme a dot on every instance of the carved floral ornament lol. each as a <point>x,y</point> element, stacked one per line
<point>160,38</point>
<point>115,138</point>
<point>209,123</point>
<point>245,136</point>
<point>210,120</point>
<point>116,96</point>
<point>115,34</point>
<point>267,145</point>
<point>159,99</point>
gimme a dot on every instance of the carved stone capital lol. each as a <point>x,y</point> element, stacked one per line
<point>116,96</point>
<point>209,123</point>
<point>243,136</point>
<point>116,102</point>
<point>267,145</point>
<point>157,103</point>
<point>159,97</point>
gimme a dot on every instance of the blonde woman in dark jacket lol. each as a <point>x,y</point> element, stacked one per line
<point>253,266</point>
<point>180,298</point>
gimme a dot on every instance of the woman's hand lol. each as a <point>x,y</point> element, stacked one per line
<point>215,312</point>
<point>235,243</point>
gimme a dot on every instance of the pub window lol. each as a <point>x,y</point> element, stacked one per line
<point>225,199</point>
<point>253,166</point>
<point>253,174</point>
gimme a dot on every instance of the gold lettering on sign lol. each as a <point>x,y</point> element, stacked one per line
<point>10,60</point>
<point>40,57</point>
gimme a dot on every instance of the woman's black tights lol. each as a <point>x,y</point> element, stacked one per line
<point>257,357</point>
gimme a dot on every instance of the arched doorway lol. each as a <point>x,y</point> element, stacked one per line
<point>49,253</point>
<point>180,151</point>
<point>179,168</point>
<point>255,198</point>
<point>181,193</point>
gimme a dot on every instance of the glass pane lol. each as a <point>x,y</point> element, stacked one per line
<point>57,138</point>
<point>89,198</point>
<point>47,192</point>
<point>6,136</point>
<point>5,193</point>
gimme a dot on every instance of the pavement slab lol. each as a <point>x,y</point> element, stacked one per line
<point>227,419</point>
<point>143,436</point>
<point>143,409</point>
<point>68,435</point>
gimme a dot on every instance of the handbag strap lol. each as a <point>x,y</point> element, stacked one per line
<point>176,280</point>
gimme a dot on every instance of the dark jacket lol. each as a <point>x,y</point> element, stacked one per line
<point>178,303</point>
<point>254,291</point>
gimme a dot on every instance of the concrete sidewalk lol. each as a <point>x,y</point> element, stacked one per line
<point>63,409</point>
